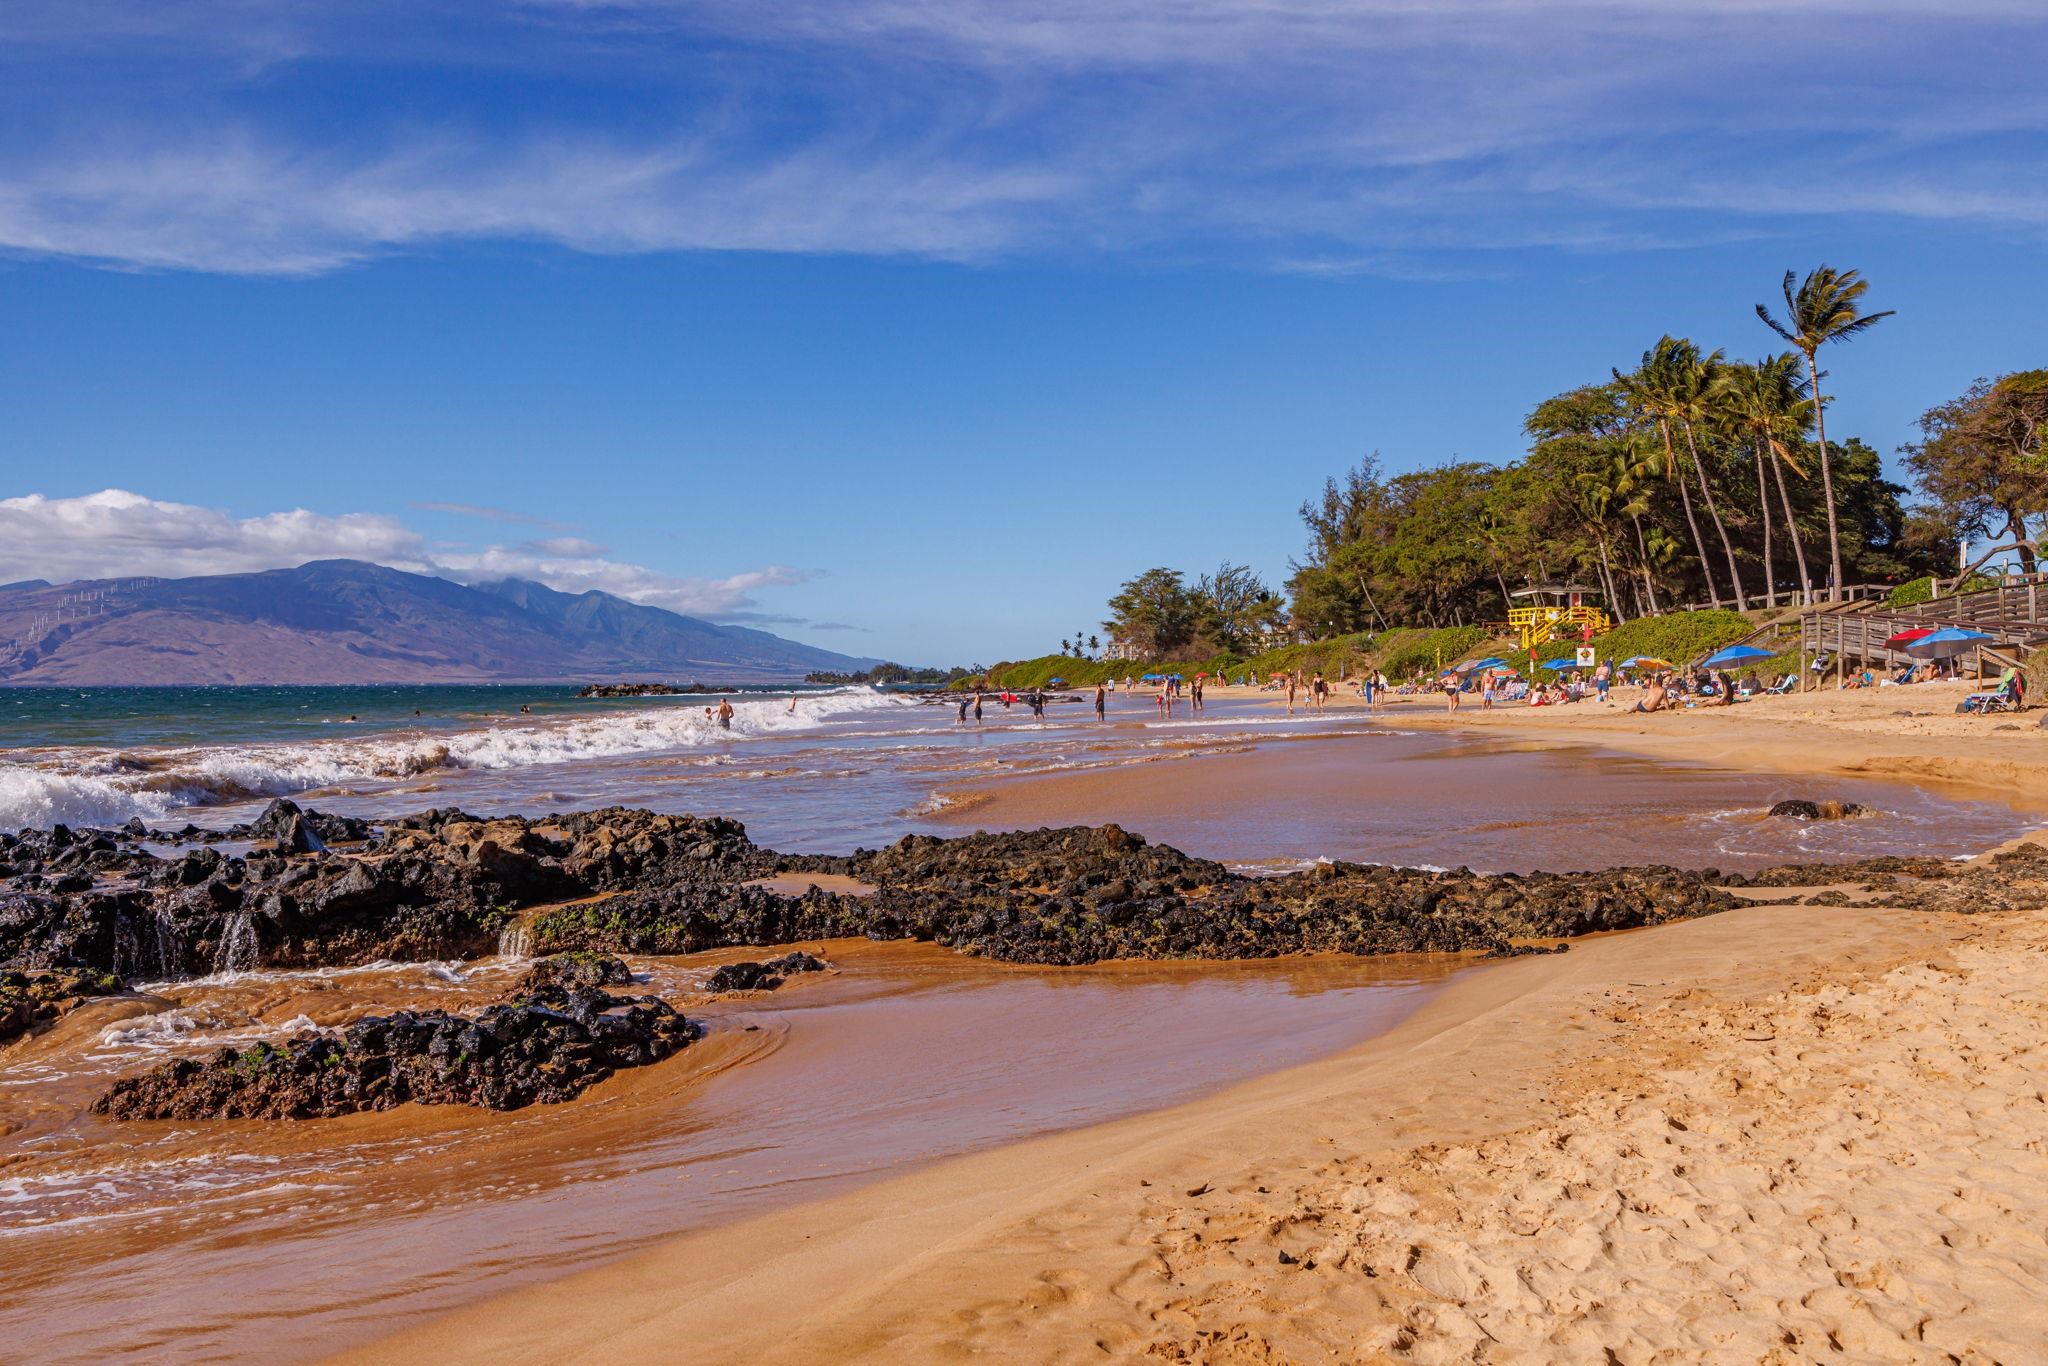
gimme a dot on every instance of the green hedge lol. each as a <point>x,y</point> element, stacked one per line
<point>1913,592</point>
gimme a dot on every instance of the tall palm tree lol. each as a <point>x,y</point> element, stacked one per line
<point>1648,389</point>
<point>1824,308</point>
<point>1631,470</point>
<point>1689,400</point>
<point>1767,405</point>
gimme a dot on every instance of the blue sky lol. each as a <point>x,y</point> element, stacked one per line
<point>911,329</point>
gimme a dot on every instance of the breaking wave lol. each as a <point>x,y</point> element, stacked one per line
<point>108,787</point>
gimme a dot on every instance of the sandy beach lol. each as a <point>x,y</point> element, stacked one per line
<point>1772,1134</point>
<point>1784,1132</point>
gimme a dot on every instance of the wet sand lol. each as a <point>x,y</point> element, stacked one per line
<point>245,1240</point>
<point>1503,797</point>
<point>1755,1135</point>
<point>1778,1133</point>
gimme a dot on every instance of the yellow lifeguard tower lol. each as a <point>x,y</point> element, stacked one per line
<point>1556,612</point>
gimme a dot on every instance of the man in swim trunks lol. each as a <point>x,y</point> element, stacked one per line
<point>724,713</point>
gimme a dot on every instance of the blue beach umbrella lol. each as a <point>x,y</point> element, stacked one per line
<point>1949,640</point>
<point>1560,663</point>
<point>1736,654</point>
<point>1055,682</point>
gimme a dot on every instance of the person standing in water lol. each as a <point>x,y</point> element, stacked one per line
<point>724,713</point>
<point>1101,701</point>
<point>963,712</point>
<point>1292,679</point>
<point>977,707</point>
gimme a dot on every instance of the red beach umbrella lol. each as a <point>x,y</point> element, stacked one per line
<point>1905,638</point>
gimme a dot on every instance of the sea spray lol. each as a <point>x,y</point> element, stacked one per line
<point>107,787</point>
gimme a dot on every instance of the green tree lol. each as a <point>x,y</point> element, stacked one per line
<point>1235,609</point>
<point>1980,457</point>
<point>1689,396</point>
<point>1153,616</point>
<point>1767,406</point>
<point>1825,307</point>
<point>1652,388</point>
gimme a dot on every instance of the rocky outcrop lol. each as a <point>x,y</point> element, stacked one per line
<point>547,1048</point>
<point>578,969</point>
<point>762,976</point>
<point>31,1000</point>
<point>445,883</point>
<point>1800,809</point>
<point>634,690</point>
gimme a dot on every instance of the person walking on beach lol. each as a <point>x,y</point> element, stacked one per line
<point>1161,702</point>
<point>1603,679</point>
<point>1101,701</point>
<point>1454,689</point>
<point>1319,690</point>
<point>1292,678</point>
<point>724,713</point>
<point>1037,701</point>
<point>1486,691</point>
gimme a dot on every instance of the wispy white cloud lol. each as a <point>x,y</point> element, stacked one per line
<point>491,514</point>
<point>1375,133</point>
<point>118,534</point>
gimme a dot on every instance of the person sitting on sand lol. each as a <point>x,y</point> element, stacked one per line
<point>1655,698</point>
<point>1858,680</point>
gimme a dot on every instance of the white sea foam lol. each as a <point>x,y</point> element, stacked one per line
<point>156,1031</point>
<point>40,798</point>
<point>107,787</point>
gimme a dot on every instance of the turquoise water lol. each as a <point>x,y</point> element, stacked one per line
<point>44,716</point>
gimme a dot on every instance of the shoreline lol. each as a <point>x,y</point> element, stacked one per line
<point>1205,1231</point>
<point>1166,1230</point>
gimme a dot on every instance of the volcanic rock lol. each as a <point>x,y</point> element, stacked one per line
<point>30,1000</point>
<point>762,976</point>
<point>547,1048</point>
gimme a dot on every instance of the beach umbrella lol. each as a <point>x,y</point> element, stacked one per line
<point>1152,678</point>
<point>1448,672</point>
<point>1945,643</point>
<point>1055,682</point>
<point>1907,637</point>
<point>1736,654</point>
<point>1490,662</point>
<point>1560,663</point>
<point>1203,673</point>
<point>1645,662</point>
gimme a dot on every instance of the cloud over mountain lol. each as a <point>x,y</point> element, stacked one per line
<point>115,533</point>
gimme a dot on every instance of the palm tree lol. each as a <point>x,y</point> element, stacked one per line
<point>1767,404</point>
<point>1823,309</point>
<point>1629,474</point>
<point>1689,399</point>
<point>1648,389</point>
<point>1094,644</point>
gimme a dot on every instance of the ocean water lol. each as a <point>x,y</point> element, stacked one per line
<point>833,769</point>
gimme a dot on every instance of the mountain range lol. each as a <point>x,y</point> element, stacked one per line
<point>345,621</point>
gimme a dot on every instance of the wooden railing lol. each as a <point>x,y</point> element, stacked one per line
<point>1861,636</point>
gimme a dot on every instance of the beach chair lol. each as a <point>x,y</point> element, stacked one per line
<point>2007,696</point>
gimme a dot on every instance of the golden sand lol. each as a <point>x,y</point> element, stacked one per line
<point>1783,1133</point>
